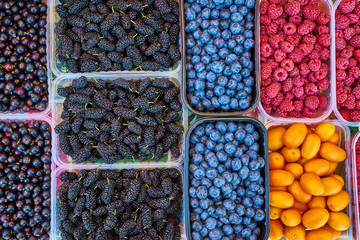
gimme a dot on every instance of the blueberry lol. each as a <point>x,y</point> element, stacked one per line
<point>255,164</point>
<point>219,147</point>
<point>202,192</point>
<point>254,186</point>
<point>196,7</point>
<point>221,168</point>
<point>249,17</point>
<point>190,42</point>
<point>254,175</point>
<point>221,211</point>
<point>217,66</point>
<point>234,218</point>
<point>252,226</point>
<point>238,229</point>
<point>219,181</point>
<point>194,202</point>
<point>199,173</point>
<point>229,204</point>
<point>224,99</point>
<point>227,164</point>
<point>197,158</point>
<point>204,232</point>
<point>234,104</point>
<point>220,42</point>
<point>255,147</point>
<point>246,220</point>
<point>240,135</point>
<point>227,176</point>
<point>236,164</point>
<point>250,3</point>
<point>215,234</point>
<point>258,200</point>
<point>213,162</point>
<point>208,128</point>
<point>210,49</point>
<point>196,226</point>
<point>210,223</point>
<point>262,162</point>
<point>240,210</point>
<point>211,210</point>
<point>205,203</point>
<point>246,232</point>
<point>247,202</point>
<point>214,192</point>
<point>223,53</point>
<point>215,102</point>
<point>261,190</point>
<point>192,192</point>
<point>199,93</point>
<point>215,135</point>
<point>226,188</point>
<point>238,153</point>
<point>236,179</point>
<point>206,103</point>
<point>250,212</point>
<point>222,156</point>
<point>195,235</point>
<point>204,215</point>
<point>211,173</point>
<point>195,182</point>
<point>204,165</point>
<point>245,160</point>
<point>205,13</point>
<point>203,3</point>
<point>230,148</point>
<point>206,59</point>
<point>228,230</point>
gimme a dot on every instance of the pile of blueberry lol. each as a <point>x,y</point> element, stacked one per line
<point>220,50</point>
<point>226,189</point>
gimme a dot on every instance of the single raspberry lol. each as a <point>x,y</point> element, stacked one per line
<point>287,85</point>
<point>262,30</point>
<point>350,102</point>
<point>355,116</point>
<point>341,22</point>
<point>295,20</point>
<point>347,90</point>
<point>280,22</point>
<point>280,74</point>
<point>297,55</point>
<point>353,18</point>
<point>342,63</point>
<point>340,84</point>
<point>271,29</point>
<point>311,77</point>
<point>357,9</point>
<point>286,105</point>
<point>323,29</point>
<point>323,84</point>
<point>357,54</point>
<point>294,72</point>
<point>314,55</point>
<point>314,65</point>
<point>275,41</point>
<point>263,97</point>
<point>289,95</point>
<point>287,47</point>
<point>349,80</point>
<point>309,39</point>
<point>266,50</point>
<point>267,108</point>
<point>287,64</point>
<point>354,72</point>
<point>347,52</point>
<point>345,113</point>
<point>265,82</point>
<point>355,41</point>
<point>277,100</point>
<point>298,105</point>
<point>298,81</point>
<point>292,8</point>
<point>265,71</point>
<point>295,114</point>
<point>356,92</point>
<point>340,44</point>
<point>349,33</point>
<point>311,12</point>
<point>293,39</point>
<point>264,39</point>
<point>265,20</point>
<point>304,69</point>
<point>357,105</point>
<point>352,62</point>
<point>323,18</point>
<point>275,1</point>
<point>347,6</point>
<point>264,5</point>
<point>273,89</point>
<point>306,112</point>
<point>274,11</point>
<point>306,27</point>
<point>340,75</point>
<point>324,40</point>
<point>306,48</point>
<point>279,55</point>
<point>303,2</point>
<point>322,101</point>
<point>339,34</point>
<point>324,54</point>
<point>311,89</point>
<point>312,102</point>
<point>357,28</point>
<point>298,92</point>
<point>281,113</point>
<point>313,2</point>
<point>322,73</point>
<point>274,64</point>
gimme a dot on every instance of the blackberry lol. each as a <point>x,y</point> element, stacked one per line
<point>95,113</point>
<point>115,57</point>
<point>101,100</point>
<point>64,143</point>
<point>155,192</point>
<point>171,18</point>
<point>110,20</point>
<point>67,176</point>
<point>124,42</point>
<point>106,127</point>
<point>174,32</point>
<point>89,65</point>
<point>117,5</point>
<point>153,48</point>
<point>171,94</point>
<point>127,63</point>
<point>82,154</point>
<point>80,232</point>
<point>159,152</point>
<point>169,231</point>
<point>175,128</point>
<point>155,108</point>
<point>176,105</point>
<point>106,45</point>
<point>61,27</point>
<point>100,211</point>
<point>153,39</point>
<point>130,139</point>
<point>66,44</point>
<point>149,135</point>
<point>80,205</point>
<point>76,125</point>
<point>134,53</point>
<point>164,40</point>
<point>139,40</point>
<point>129,173</point>
<point>111,222</point>
<point>63,127</point>
<point>167,186</point>
<point>116,128</point>
<point>93,133</point>
<point>107,35</point>
<point>101,234</point>
<point>103,9</point>
<point>175,8</point>
<point>74,142</point>
<point>93,17</point>
<point>125,228</point>
<point>76,54</point>
<point>92,27</point>
<point>90,124</point>
<point>125,21</point>
<point>100,84</point>
<point>88,221</point>
<point>107,193</point>
<point>162,203</point>
<point>168,141</point>
<point>62,210</point>
<point>65,92</point>
<point>175,151</point>
<point>79,98</point>
<point>91,178</point>
<point>125,113</point>
<point>162,59</point>
<point>147,120</point>
<point>174,52</point>
<point>62,11</point>
<point>171,116</point>
<point>76,6</point>
<point>143,28</point>
<point>159,215</point>
<point>90,202</point>
<point>76,21</point>
<point>74,190</point>
<point>162,6</point>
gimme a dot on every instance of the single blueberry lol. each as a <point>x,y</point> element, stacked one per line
<point>215,234</point>
<point>215,102</point>
<point>246,232</point>
<point>229,204</point>
<point>226,188</point>
<point>244,172</point>
<point>254,186</point>
<point>258,200</point>
<point>195,235</point>
<point>240,210</point>
<point>205,203</point>
<point>237,229</point>
<point>204,165</point>
<point>206,103</point>
<point>259,215</point>
<point>215,135</point>
<point>240,134</point>
<point>227,164</point>
<point>228,230</point>
<point>202,192</point>
<point>219,147</point>
<point>214,192</point>
<point>236,179</point>
<point>238,152</point>
<point>234,218</point>
<point>221,169</point>
<point>228,176</point>
<point>255,147</point>
<point>220,211</point>
<point>234,104</point>
<point>204,232</point>
<point>204,215</point>
<point>254,175</point>
<point>230,148</point>
<point>247,202</point>
<point>236,164</point>
<point>199,173</point>
<point>219,181</point>
<point>211,173</point>
<point>194,202</point>
<point>210,223</point>
<point>192,192</point>
<point>250,212</point>
<point>206,182</point>
<point>195,182</point>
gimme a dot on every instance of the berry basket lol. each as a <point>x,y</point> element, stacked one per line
<point>56,183</point>
<point>346,169</point>
<point>263,150</point>
<point>66,160</point>
<point>317,114</point>
<point>59,67</point>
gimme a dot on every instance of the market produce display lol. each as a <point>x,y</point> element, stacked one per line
<point>113,120</point>
<point>220,44</point>
<point>305,193</point>
<point>23,70</point>
<point>294,54</point>
<point>127,204</point>
<point>25,168</point>
<point>226,181</point>
<point>104,35</point>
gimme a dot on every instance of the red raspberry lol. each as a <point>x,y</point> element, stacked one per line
<point>356,92</point>
<point>340,75</point>
<point>267,108</point>
<point>286,105</point>
<point>347,90</point>
<point>350,102</point>
<point>323,29</point>
<point>357,54</point>
<point>298,91</point>
<point>262,30</point>
<point>275,1</point>
<point>280,74</point>
<point>280,21</point>
<point>355,41</point>
<point>294,72</point>
<point>287,47</point>
<point>349,33</point>
<point>295,20</point>
<point>306,112</point>
<point>298,105</point>
<point>345,113</point>
<point>349,81</point>
<point>264,39</point>
<point>275,11</point>
<point>340,44</point>
<point>322,101</point>
<point>314,55</point>
<point>313,2</point>
<point>347,6</point>
<point>265,71</point>
<point>277,100</point>
<point>264,5</point>
<point>297,55</point>
<point>309,39</point>
<point>354,72</point>
<point>352,62</point>
<point>323,84</point>
<point>341,97</point>
<point>303,2</point>
<point>311,12</point>
<point>280,113</point>
<point>306,48</point>
<point>265,20</point>
<point>347,52</point>
<point>273,89</point>
<point>306,27</point>
<point>292,8</point>
<point>298,81</point>
<point>323,18</point>
<point>265,82</point>
<point>287,64</point>
<point>322,73</point>
<point>275,41</point>
<point>273,63</point>
<point>263,97</point>
<point>266,50</point>
<point>304,69</point>
<point>311,77</point>
<point>341,22</point>
<point>357,105</point>
<point>294,39</point>
<point>271,29</point>
<point>324,54</point>
<point>342,63</point>
<point>289,95</point>
<point>289,28</point>
<point>279,55</point>
<point>353,18</point>
<point>311,89</point>
<point>287,85</point>
<point>324,40</point>
<point>357,28</point>
<point>355,116</point>
<point>314,65</point>
<point>295,114</point>
<point>312,102</point>
<point>357,9</point>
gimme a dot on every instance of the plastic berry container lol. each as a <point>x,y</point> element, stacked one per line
<point>255,74</point>
<point>65,160</point>
<point>356,168</point>
<point>263,142</point>
<point>327,6</point>
<point>56,183</point>
<point>59,67</point>
<point>346,169</point>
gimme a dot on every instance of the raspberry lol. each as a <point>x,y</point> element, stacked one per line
<point>350,102</point>
<point>265,20</point>
<point>357,54</point>
<point>264,39</point>
<point>341,98</point>
<point>347,52</point>
<point>347,6</point>
<point>273,89</point>
<point>274,64</point>
<point>355,41</point>
<point>355,116</point>
<point>357,9</point>
<point>323,84</point>
<point>275,11</point>
<point>340,75</point>
<point>357,105</point>
<point>353,18</point>
<point>341,22</point>
<point>352,62</point>
<point>303,2</point>
<point>347,89</point>
<point>266,50</point>
<point>304,69</point>
<point>306,112</point>
<point>295,114</point>
<point>298,105</point>
<point>286,105</point>
<point>306,48</point>
<point>324,54</point>
<point>287,64</point>
<point>265,82</point>
<point>295,20</point>
<point>356,28</point>
<point>275,41</point>
<point>340,44</point>
<point>292,8</point>
<point>287,47</point>
<point>349,33</point>
<point>356,92</point>
<point>280,21</point>
<point>342,63</point>
<point>314,65</point>
<point>279,55</point>
<point>289,95</point>
<point>311,77</point>
<point>322,101</point>
<point>298,91</point>
<point>277,100</point>
<point>265,71</point>
<point>349,80</point>
<point>345,113</point>
<point>323,18</point>
<point>311,89</point>
<point>340,84</point>
<point>280,74</point>
<point>264,5</point>
<point>322,73</point>
<point>271,29</point>
<point>267,108</point>
<point>262,30</point>
<point>275,1</point>
<point>263,97</point>
<point>289,28</point>
<point>294,72</point>
<point>287,85</point>
<point>297,55</point>
<point>281,113</point>
<point>294,39</point>
<point>298,81</point>
<point>354,72</point>
<point>312,102</point>
<point>324,40</point>
<point>314,55</point>
<point>306,27</point>
<point>309,39</point>
<point>311,12</point>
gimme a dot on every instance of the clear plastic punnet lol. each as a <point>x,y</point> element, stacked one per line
<point>59,68</point>
<point>327,6</point>
<point>346,169</point>
<point>65,160</point>
<point>356,206</point>
<point>56,183</point>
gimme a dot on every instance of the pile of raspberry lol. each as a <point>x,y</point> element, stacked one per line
<point>347,33</point>
<point>294,55</point>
